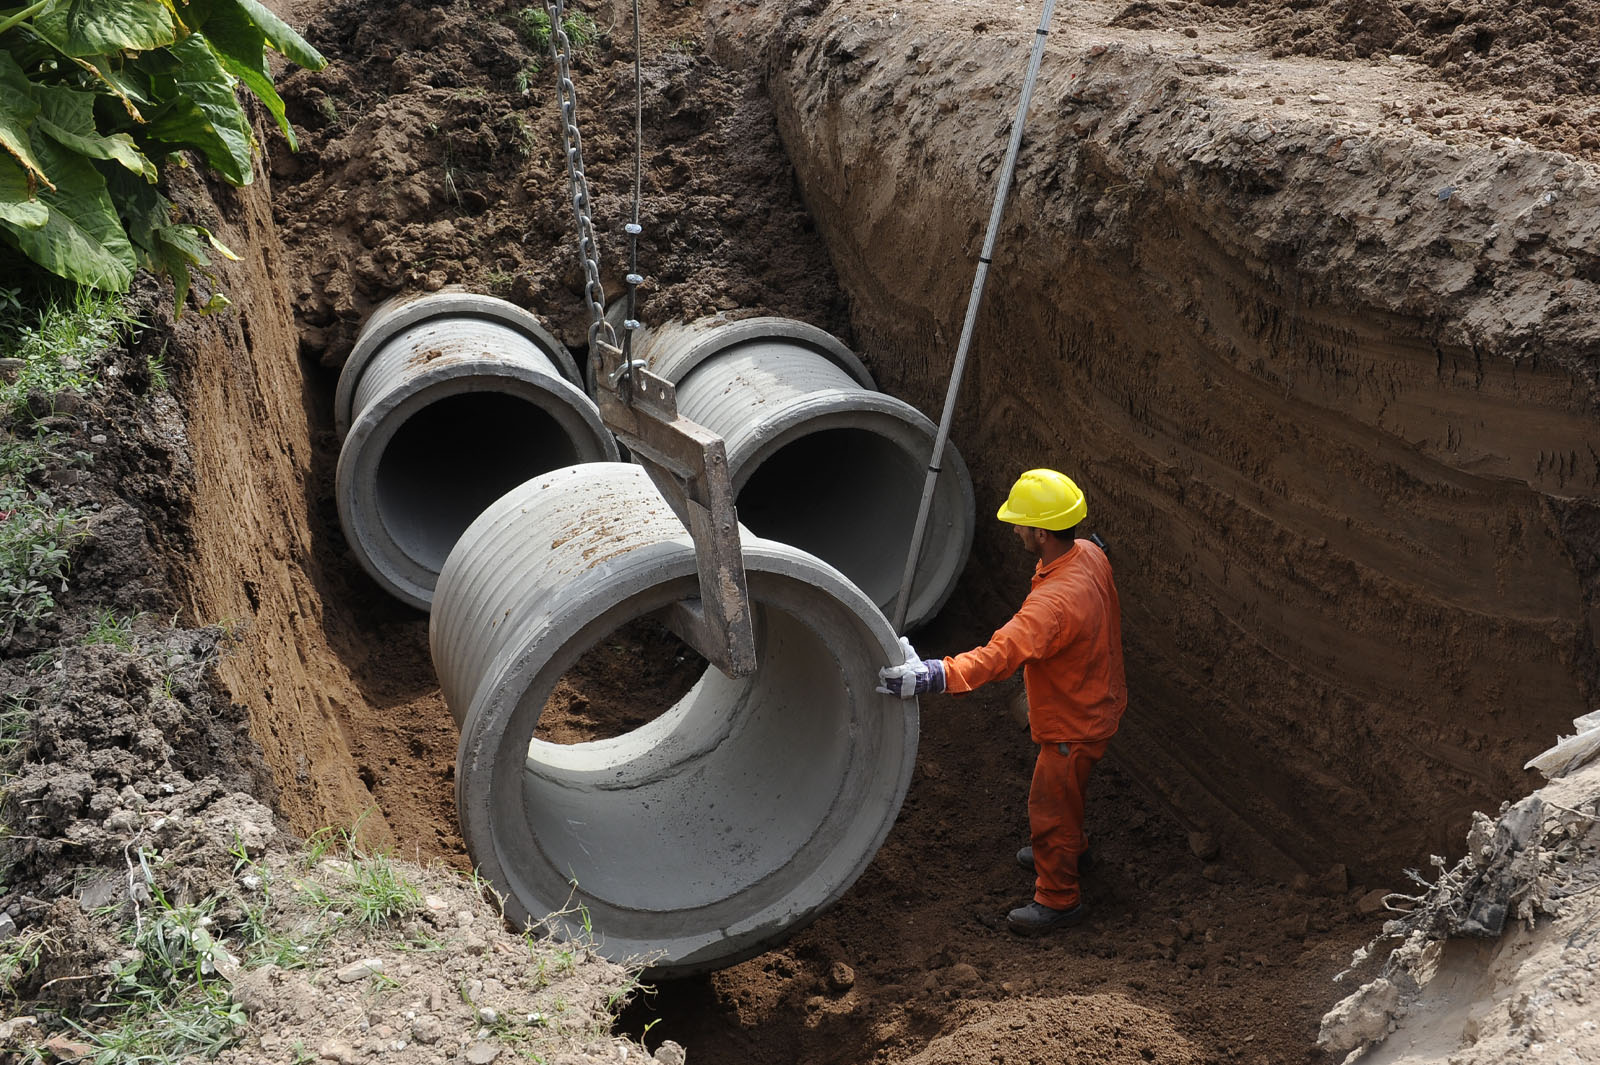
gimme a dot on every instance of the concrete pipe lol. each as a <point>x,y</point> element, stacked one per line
<point>819,458</point>
<point>731,820</point>
<point>447,402</point>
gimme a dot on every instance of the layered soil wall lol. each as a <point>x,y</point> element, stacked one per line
<point>1323,380</point>
<point>254,566</point>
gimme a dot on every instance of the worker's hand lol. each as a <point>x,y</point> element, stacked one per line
<point>915,676</point>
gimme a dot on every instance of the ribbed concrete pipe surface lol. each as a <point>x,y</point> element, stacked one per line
<point>727,823</point>
<point>819,458</point>
<point>447,402</point>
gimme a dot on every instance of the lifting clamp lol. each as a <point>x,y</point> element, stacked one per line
<point>689,465</point>
<point>687,462</point>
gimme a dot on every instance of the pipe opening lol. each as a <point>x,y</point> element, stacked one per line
<point>447,462</point>
<point>727,793</point>
<point>846,495</point>
<point>625,681</point>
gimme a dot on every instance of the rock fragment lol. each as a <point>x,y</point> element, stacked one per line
<point>359,970</point>
<point>481,1053</point>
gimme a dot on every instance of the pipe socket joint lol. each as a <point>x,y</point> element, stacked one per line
<point>448,401</point>
<point>818,457</point>
<point>728,822</point>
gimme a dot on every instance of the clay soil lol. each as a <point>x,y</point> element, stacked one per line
<point>429,157</point>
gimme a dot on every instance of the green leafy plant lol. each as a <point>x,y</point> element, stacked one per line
<point>111,630</point>
<point>59,346</point>
<point>96,96</point>
<point>174,1000</point>
<point>35,550</point>
<point>534,25</point>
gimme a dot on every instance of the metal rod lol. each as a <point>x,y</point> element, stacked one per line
<point>978,281</point>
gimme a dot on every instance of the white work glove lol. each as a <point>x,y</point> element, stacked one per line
<point>913,677</point>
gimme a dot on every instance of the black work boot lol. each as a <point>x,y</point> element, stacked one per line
<point>1085,860</point>
<point>1035,919</point>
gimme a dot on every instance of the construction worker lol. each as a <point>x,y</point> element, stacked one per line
<point>1067,637</point>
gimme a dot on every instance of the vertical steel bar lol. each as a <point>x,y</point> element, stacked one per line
<point>978,282</point>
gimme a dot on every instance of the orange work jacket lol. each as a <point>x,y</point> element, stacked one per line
<point>1067,637</point>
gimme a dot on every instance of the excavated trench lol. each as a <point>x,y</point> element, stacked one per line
<point>1337,427</point>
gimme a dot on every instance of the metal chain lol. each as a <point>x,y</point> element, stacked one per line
<point>588,247</point>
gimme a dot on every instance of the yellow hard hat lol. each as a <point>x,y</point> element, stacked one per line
<point>1044,499</point>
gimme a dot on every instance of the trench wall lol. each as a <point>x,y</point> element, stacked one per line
<point>254,565</point>
<point>1339,431</point>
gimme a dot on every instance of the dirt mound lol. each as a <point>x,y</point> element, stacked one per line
<point>1541,51</point>
<point>151,907</point>
<point>431,156</point>
<point>121,744</point>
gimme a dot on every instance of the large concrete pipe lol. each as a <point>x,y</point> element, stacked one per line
<point>819,458</point>
<point>728,822</point>
<point>447,402</point>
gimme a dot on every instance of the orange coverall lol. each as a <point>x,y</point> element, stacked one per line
<point>1067,637</point>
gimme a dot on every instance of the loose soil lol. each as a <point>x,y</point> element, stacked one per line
<point>1358,590</point>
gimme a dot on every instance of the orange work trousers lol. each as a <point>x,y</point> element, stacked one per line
<point>1055,819</point>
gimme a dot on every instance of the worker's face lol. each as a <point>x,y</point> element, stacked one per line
<point>1032,539</point>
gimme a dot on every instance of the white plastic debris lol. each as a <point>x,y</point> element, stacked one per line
<point>1572,751</point>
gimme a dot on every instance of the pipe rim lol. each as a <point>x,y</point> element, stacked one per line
<point>389,563</point>
<point>398,314</point>
<point>707,338</point>
<point>900,424</point>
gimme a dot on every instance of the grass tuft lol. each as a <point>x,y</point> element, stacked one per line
<point>171,1000</point>
<point>111,630</point>
<point>36,542</point>
<point>59,345</point>
<point>534,25</point>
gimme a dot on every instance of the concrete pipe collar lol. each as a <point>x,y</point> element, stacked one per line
<point>725,824</point>
<point>447,402</point>
<point>819,458</point>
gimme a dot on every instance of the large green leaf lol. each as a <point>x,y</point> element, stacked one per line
<point>128,84</point>
<point>105,27</point>
<point>18,204</point>
<point>178,247</point>
<point>81,239</point>
<point>17,111</point>
<point>28,48</point>
<point>242,49</point>
<point>67,116</point>
<point>285,40</point>
<point>200,111</point>
<point>142,207</point>
<point>164,246</point>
